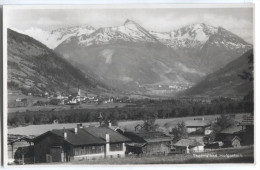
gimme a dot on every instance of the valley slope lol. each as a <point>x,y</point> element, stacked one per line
<point>35,67</point>
<point>226,81</point>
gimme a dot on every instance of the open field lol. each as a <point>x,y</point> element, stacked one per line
<point>32,99</point>
<point>128,125</point>
<point>67,107</point>
<point>244,154</point>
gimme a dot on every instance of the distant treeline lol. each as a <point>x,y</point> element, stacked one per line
<point>163,109</point>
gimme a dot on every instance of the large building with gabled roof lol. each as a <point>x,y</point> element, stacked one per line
<point>63,145</point>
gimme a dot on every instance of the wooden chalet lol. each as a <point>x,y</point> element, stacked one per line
<point>148,143</point>
<point>79,143</point>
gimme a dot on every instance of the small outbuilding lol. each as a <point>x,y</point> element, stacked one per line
<point>148,143</point>
<point>232,141</point>
<point>184,146</point>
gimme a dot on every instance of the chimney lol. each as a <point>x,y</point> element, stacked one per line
<point>79,126</point>
<point>107,137</point>
<point>65,135</point>
<point>75,130</point>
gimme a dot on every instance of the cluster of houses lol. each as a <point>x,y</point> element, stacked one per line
<point>19,102</point>
<point>79,98</point>
<point>106,141</point>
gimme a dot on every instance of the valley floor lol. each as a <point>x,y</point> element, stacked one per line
<point>128,125</point>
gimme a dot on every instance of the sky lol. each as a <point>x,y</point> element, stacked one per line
<point>236,20</point>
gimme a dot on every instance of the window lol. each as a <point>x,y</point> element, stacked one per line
<point>116,147</point>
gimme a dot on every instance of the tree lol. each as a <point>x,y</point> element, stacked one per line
<point>221,123</point>
<point>249,74</point>
<point>149,119</point>
<point>180,131</point>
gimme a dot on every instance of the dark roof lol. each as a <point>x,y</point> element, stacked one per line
<point>197,123</point>
<point>101,132</point>
<point>86,136</point>
<point>231,138</point>
<point>82,137</point>
<point>23,138</point>
<point>134,137</point>
<point>133,144</point>
<point>188,142</point>
<point>154,136</point>
<point>232,130</point>
<point>151,135</point>
<point>147,137</point>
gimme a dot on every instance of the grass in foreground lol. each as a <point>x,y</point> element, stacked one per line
<point>229,155</point>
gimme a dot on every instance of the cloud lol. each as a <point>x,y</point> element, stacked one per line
<point>47,22</point>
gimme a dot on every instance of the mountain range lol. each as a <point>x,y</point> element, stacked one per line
<point>133,59</point>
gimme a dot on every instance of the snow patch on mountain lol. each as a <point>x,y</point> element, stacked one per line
<point>107,54</point>
<point>189,70</point>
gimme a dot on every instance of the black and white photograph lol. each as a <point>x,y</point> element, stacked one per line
<point>128,84</point>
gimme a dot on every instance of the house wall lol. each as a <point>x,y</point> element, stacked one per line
<point>191,129</point>
<point>57,155</point>
<point>236,143</point>
<point>208,131</point>
<point>196,129</point>
<point>88,152</point>
<point>184,150</point>
<point>180,150</point>
<point>87,157</point>
<point>115,150</point>
<point>156,148</point>
<point>43,147</point>
<point>196,149</point>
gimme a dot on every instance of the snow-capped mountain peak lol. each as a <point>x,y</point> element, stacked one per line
<point>129,32</point>
<point>197,35</point>
<point>128,22</point>
<point>55,37</point>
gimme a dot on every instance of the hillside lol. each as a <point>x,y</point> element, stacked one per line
<point>33,66</point>
<point>226,81</point>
